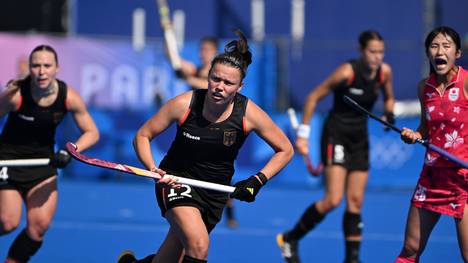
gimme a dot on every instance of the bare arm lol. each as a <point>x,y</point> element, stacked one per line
<point>389,99</point>
<point>84,121</point>
<point>170,112</point>
<point>258,121</point>
<point>342,73</point>
<point>189,73</point>
<point>410,136</point>
<point>10,98</point>
<point>197,82</point>
<point>188,68</point>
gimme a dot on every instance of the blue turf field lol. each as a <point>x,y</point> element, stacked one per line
<point>98,219</point>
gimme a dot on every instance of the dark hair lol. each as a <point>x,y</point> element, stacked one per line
<point>236,54</point>
<point>44,48</point>
<point>367,36</point>
<point>446,31</point>
<point>212,40</point>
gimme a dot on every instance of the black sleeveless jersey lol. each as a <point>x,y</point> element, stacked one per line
<point>204,150</point>
<point>33,126</point>
<point>361,89</point>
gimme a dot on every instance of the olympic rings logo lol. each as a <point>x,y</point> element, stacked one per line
<point>389,152</point>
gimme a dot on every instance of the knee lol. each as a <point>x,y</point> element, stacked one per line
<point>354,203</point>
<point>8,224</point>
<point>332,202</point>
<point>38,227</point>
<point>198,248</point>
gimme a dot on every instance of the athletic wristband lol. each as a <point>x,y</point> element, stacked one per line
<point>262,177</point>
<point>303,131</point>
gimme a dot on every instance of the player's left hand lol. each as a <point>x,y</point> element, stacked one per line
<point>180,74</point>
<point>60,159</point>
<point>247,189</point>
<point>390,118</point>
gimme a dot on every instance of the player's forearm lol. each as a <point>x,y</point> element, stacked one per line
<point>309,109</point>
<point>422,131</point>
<point>277,162</point>
<point>142,147</point>
<point>198,83</point>
<point>389,105</point>
<point>87,139</point>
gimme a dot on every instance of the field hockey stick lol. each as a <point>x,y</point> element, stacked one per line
<point>24,162</point>
<point>145,173</point>
<point>314,171</point>
<point>169,35</point>
<point>425,143</point>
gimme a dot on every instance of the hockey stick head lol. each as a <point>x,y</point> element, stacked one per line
<point>72,150</point>
<point>314,171</point>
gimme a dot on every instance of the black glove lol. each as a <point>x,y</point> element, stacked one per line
<point>247,189</point>
<point>390,117</point>
<point>180,74</point>
<point>60,159</point>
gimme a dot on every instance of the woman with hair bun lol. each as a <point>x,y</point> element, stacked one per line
<point>212,125</point>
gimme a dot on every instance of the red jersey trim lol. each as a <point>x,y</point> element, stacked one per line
<point>244,125</point>
<point>184,118</point>
<point>350,80</point>
<point>20,103</point>
<point>382,77</point>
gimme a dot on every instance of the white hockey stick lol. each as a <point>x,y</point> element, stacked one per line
<point>142,172</point>
<point>24,162</point>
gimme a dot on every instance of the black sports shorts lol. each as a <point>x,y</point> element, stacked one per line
<point>345,144</point>
<point>209,203</point>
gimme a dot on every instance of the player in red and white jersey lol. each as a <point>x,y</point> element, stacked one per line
<point>443,185</point>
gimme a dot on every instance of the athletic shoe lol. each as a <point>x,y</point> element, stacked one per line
<point>126,257</point>
<point>288,249</point>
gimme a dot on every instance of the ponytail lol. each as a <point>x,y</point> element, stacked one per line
<point>236,54</point>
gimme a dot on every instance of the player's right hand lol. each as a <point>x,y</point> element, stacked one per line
<point>13,85</point>
<point>166,179</point>
<point>409,136</point>
<point>302,146</point>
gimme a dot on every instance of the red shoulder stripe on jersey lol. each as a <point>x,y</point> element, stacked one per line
<point>164,197</point>
<point>244,125</point>
<point>350,80</point>
<point>382,77</point>
<point>186,114</point>
<point>20,102</point>
<point>329,153</point>
<point>65,101</point>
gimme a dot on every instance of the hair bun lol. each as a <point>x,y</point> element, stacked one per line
<point>240,46</point>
